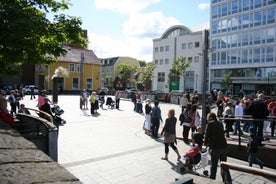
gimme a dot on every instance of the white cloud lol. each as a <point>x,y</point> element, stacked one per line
<point>203,6</point>
<point>139,31</point>
<point>148,25</point>
<point>123,6</point>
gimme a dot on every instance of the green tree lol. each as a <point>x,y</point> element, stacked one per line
<point>28,36</point>
<point>226,82</point>
<point>142,63</point>
<point>123,73</point>
<point>146,75</point>
<point>178,69</point>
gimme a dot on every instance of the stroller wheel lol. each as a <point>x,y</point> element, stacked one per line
<point>182,169</point>
<point>205,172</point>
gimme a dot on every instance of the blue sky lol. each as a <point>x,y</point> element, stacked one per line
<point>127,27</point>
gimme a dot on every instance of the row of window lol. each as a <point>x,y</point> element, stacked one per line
<point>184,46</point>
<point>245,21</point>
<point>74,67</point>
<point>244,56</point>
<point>252,37</point>
<point>237,6</point>
<point>246,72</point>
<point>76,83</point>
<point>167,61</point>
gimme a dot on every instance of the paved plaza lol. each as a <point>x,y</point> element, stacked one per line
<point>111,148</point>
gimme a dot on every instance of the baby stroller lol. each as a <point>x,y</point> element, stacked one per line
<point>110,102</point>
<point>196,159</point>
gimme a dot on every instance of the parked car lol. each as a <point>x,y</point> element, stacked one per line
<point>28,89</point>
<point>6,89</point>
<point>132,90</point>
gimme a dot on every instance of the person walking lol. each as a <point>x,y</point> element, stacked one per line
<point>228,113</point>
<point>169,134</point>
<point>183,102</point>
<point>252,147</point>
<point>117,99</point>
<point>185,121</point>
<point>94,103</point>
<point>215,140</point>
<point>155,119</point>
<point>32,93</point>
<point>147,125</point>
<point>84,99</point>
<point>238,114</point>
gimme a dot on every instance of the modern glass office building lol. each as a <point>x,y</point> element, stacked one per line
<point>243,44</point>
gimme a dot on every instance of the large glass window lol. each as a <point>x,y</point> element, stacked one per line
<point>245,5</point>
<point>156,49</point>
<point>271,35</point>
<point>234,6</point>
<point>167,48</point>
<point>75,83</point>
<point>161,49</point>
<point>224,42</point>
<point>234,40</point>
<point>214,27</point>
<point>224,25</point>
<point>224,9</point>
<point>167,61</point>
<point>264,18</point>
<point>223,58</point>
<point>215,12</point>
<point>269,54</point>
<point>257,18</point>
<point>244,39</point>
<point>257,36</point>
<point>244,55</point>
<point>257,54</point>
<point>161,77</point>
<point>213,59</point>
<point>245,21</point>
<point>271,16</point>
<point>234,23</point>
<point>258,3</point>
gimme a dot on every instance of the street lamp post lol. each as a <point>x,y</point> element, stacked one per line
<point>204,79</point>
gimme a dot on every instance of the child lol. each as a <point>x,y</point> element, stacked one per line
<point>197,137</point>
<point>252,147</point>
<point>189,156</point>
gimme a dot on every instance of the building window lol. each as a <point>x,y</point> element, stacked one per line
<point>257,36</point>
<point>78,68</point>
<point>161,49</point>
<point>167,61</point>
<point>271,16</point>
<point>156,49</point>
<point>161,61</point>
<point>196,59</point>
<point>270,35</point>
<point>190,45</point>
<point>244,56</point>
<point>224,9</point>
<point>156,62</point>
<point>245,21</point>
<point>75,83</point>
<point>234,6</point>
<point>257,55</point>
<point>269,54</point>
<point>196,44</point>
<point>71,67</point>
<point>245,5</point>
<point>167,48</point>
<point>161,77</point>
<point>190,59</point>
<point>183,46</point>
<point>257,18</point>
<point>89,83</point>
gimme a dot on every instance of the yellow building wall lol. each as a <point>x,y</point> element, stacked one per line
<point>89,71</point>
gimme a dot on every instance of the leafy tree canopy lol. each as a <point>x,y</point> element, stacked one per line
<point>124,71</point>
<point>147,72</point>
<point>28,36</point>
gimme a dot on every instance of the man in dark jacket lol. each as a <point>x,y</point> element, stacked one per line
<point>215,140</point>
<point>259,110</point>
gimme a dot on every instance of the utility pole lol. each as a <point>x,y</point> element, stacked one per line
<point>204,79</point>
<point>81,70</point>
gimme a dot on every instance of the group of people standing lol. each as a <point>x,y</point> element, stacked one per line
<point>96,100</point>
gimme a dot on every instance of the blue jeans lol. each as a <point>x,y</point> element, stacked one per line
<point>253,159</point>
